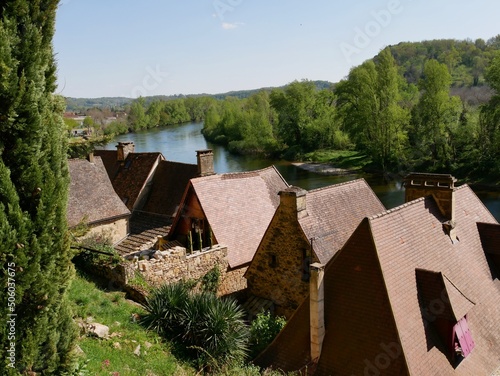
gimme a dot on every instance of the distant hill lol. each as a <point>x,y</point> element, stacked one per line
<point>119,103</point>
<point>466,60</point>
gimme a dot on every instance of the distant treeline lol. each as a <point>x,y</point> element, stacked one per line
<point>400,122</point>
<point>430,106</point>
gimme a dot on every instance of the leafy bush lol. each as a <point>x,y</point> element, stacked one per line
<point>264,329</point>
<point>210,330</point>
<point>210,281</point>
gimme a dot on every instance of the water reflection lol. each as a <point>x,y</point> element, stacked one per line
<point>180,142</point>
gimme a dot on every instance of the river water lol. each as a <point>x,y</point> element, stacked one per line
<point>180,142</point>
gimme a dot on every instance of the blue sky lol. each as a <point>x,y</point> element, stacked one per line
<point>163,47</point>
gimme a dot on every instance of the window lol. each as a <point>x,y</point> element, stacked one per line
<point>306,262</point>
<point>462,339</point>
<point>273,262</point>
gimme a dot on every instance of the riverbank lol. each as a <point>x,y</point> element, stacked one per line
<point>324,168</point>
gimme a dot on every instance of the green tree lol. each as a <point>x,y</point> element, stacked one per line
<point>489,137</point>
<point>35,257</point>
<point>137,117</point>
<point>435,118</point>
<point>372,111</point>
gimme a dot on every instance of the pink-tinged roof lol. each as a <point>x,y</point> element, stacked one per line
<point>91,195</point>
<point>334,212</point>
<point>239,207</point>
<point>411,237</point>
<point>377,285</point>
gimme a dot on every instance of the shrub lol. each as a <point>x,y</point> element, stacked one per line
<point>263,331</point>
<point>209,329</point>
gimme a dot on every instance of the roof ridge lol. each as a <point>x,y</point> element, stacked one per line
<point>180,163</point>
<point>337,185</point>
<point>396,209</point>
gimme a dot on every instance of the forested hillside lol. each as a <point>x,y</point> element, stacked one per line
<point>430,106</point>
<point>399,109</point>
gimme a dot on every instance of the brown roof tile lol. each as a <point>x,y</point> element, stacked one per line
<point>239,207</point>
<point>334,212</point>
<point>372,296</point>
<point>91,194</point>
<point>169,182</point>
<point>129,177</point>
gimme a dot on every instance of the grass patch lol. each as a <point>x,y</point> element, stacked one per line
<point>115,356</point>
<point>346,159</point>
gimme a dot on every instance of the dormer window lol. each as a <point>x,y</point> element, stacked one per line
<point>444,312</point>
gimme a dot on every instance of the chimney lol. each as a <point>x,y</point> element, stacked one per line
<point>90,157</point>
<point>205,160</point>
<point>441,187</point>
<point>317,309</point>
<point>123,149</point>
<point>294,199</point>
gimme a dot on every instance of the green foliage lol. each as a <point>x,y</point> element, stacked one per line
<point>33,193</point>
<point>210,330</point>
<point>465,60</point>
<point>370,103</point>
<point>263,330</point>
<point>210,281</point>
<point>80,148</point>
<point>435,119</point>
<point>92,302</point>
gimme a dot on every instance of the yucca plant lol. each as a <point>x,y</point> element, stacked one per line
<point>164,307</point>
<point>211,330</point>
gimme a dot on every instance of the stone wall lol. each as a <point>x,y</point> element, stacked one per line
<point>277,269</point>
<point>115,231</point>
<point>159,267</point>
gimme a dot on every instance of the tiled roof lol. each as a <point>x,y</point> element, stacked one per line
<point>239,207</point>
<point>334,212</point>
<point>373,306</point>
<point>109,158</point>
<point>129,177</point>
<point>144,230</point>
<point>169,182</point>
<point>91,195</point>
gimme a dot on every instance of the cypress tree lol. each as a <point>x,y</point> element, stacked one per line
<point>34,248</point>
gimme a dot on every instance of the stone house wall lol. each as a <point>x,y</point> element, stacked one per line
<point>278,271</point>
<point>116,230</point>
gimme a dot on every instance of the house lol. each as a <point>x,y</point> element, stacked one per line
<point>130,173</point>
<point>414,291</point>
<point>152,189</point>
<point>232,210</point>
<point>307,227</point>
<point>93,201</point>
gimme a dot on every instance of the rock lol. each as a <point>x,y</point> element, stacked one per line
<point>147,345</point>
<point>137,350</point>
<point>117,345</point>
<point>98,330</point>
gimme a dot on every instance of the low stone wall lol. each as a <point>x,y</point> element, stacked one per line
<point>173,265</point>
<point>159,267</point>
<point>232,281</point>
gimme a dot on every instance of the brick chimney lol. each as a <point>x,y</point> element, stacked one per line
<point>123,149</point>
<point>205,160</point>
<point>441,187</point>
<point>294,199</point>
<point>317,309</point>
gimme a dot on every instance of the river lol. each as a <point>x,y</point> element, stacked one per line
<point>180,142</point>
